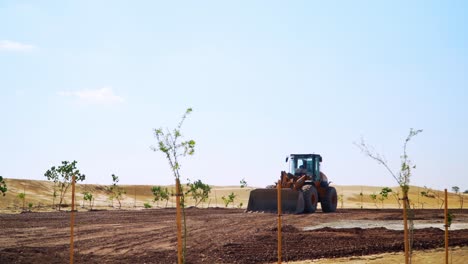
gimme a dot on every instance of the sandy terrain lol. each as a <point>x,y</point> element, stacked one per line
<point>39,193</point>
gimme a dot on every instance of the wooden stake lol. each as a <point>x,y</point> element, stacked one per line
<point>278,186</point>
<point>405,228</point>
<point>72,219</point>
<point>179,223</point>
<point>446,227</point>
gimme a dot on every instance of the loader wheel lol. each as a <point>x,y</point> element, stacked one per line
<point>329,201</point>
<point>310,198</point>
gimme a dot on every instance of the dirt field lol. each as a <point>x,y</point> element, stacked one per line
<point>215,236</point>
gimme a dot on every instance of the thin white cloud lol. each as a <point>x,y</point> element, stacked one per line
<point>8,45</point>
<point>104,95</point>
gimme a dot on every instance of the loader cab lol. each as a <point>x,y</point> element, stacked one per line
<point>308,163</point>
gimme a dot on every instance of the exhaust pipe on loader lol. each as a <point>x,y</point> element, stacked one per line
<point>265,200</point>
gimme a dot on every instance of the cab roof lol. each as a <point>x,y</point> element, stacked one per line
<point>306,155</point>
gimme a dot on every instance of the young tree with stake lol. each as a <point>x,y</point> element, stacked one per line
<point>115,192</point>
<point>62,178</point>
<point>402,177</point>
<point>173,148</point>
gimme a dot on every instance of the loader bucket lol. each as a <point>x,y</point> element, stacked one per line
<point>266,200</point>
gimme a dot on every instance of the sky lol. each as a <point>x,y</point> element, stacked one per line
<point>91,80</point>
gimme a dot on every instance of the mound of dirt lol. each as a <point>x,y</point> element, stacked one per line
<point>285,228</point>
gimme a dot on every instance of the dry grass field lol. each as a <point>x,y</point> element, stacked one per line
<point>39,193</point>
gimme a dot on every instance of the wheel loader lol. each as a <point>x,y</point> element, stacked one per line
<point>301,189</point>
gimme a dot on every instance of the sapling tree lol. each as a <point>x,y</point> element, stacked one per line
<point>3,186</point>
<point>461,198</point>
<point>396,195</point>
<point>54,194</point>
<point>429,193</point>
<point>440,198</point>
<point>22,197</point>
<point>450,217</point>
<point>115,191</point>
<point>460,195</point>
<point>88,196</point>
<point>62,178</point>
<point>374,199</point>
<point>229,199</point>
<point>243,183</point>
<point>361,196</point>
<point>341,200</point>
<point>402,177</point>
<point>170,143</point>
<point>160,194</point>
<point>198,191</point>
<point>384,195</point>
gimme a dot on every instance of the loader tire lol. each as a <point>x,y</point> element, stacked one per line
<point>329,201</point>
<point>310,198</point>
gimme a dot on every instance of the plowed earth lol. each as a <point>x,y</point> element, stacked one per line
<point>215,235</point>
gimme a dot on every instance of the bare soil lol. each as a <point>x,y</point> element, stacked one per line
<point>215,235</point>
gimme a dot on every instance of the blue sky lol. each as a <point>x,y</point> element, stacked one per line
<point>90,80</point>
